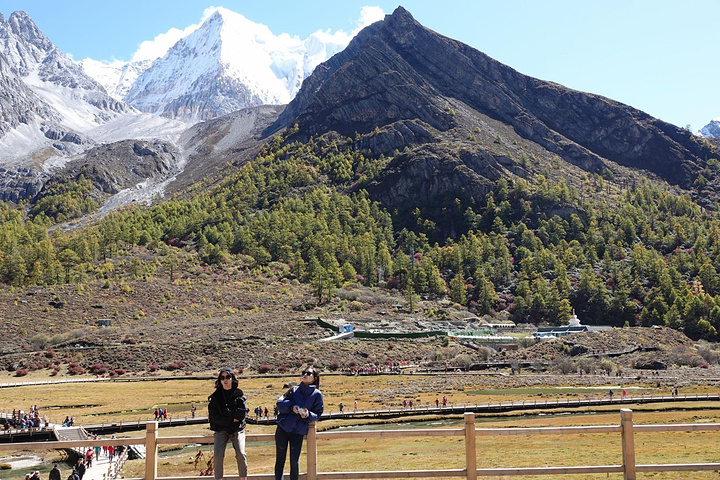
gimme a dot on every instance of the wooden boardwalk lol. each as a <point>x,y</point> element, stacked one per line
<point>392,412</point>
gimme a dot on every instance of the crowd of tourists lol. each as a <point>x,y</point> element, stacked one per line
<point>19,419</point>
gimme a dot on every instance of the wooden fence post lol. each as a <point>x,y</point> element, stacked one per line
<point>470,446</point>
<point>151,450</point>
<point>628,443</point>
<point>311,451</point>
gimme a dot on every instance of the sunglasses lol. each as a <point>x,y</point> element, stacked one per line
<point>226,377</point>
<point>307,374</point>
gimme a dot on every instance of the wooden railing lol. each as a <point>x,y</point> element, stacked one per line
<point>626,429</point>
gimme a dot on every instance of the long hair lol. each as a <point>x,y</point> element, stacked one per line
<point>316,376</point>
<point>218,382</point>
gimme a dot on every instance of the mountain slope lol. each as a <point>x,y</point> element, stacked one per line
<point>419,87</point>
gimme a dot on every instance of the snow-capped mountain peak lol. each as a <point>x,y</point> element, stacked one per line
<point>229,63</point>
<point>55,104</point>
<point>712,129</point>
<point>24,44</point>
<point>54,77</point>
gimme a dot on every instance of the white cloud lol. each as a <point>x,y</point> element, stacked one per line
<point>368,16</point>
<point>157,47</point>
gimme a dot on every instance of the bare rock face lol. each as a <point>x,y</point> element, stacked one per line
<point>18,104</point>
<point>121,165</point>
<point>400,85</point>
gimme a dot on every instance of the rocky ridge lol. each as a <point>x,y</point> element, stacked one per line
<point>462,115</point>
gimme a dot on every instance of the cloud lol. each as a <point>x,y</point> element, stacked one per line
<point>157,47</point>
<point>368,16</point>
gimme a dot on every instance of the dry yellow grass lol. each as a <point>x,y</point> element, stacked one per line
<point>128,401</point>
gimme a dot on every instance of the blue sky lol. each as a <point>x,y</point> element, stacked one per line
<point>658,56</point>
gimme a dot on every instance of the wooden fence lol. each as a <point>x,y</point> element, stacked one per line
<point>626,429</point>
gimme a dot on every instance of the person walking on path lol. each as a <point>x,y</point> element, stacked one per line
<point>80,468</point>
<point>227,411</point>
<point>298,407</point>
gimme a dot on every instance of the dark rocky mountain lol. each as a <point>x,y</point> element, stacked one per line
<point>125,164</point>
<point>469,119</point>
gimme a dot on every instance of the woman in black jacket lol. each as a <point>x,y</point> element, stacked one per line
<point>227,410</point>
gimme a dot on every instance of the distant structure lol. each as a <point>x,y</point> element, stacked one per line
<point>574,326</point>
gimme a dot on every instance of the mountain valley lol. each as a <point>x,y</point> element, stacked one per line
<point>407,171</point>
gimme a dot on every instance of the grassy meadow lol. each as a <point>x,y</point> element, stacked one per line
<point>104,402</point>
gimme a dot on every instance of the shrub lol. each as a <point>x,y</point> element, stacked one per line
<point>50,353</point>
<point>282,369</point>
<point>39,341</point>
<point>153,368</point>
<point>175,366</point>
<point>264,368</point>
<point>684,356</point>
<point>565,366</point>
<point>21,372</point>
<point>607,365</point>
<point>75,369</point>
<point>334,365</point>
<point>355,306</point>
<point>119,371</point>
<point>463,360</point>
<point>709,355</point>
<point>98,369</point>
<point>484,353</point>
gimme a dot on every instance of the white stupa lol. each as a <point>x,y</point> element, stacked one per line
<point>574,320</point>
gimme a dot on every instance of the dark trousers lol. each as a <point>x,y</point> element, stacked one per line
<point>282,440</point>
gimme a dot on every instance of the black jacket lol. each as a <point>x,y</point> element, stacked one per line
<point>224,407</point>
<point>54,474</point>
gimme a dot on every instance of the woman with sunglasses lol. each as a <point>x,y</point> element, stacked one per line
<point>227,410</point>
<point>298,407</point>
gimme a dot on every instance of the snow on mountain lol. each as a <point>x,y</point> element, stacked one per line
<point>18,104</point>
<point>116,77</point>
<point>78,100</point>
<point>229,63</point>
<point>50,107</point>
<point>712,129</point>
